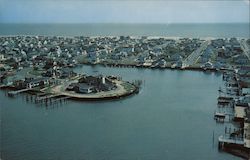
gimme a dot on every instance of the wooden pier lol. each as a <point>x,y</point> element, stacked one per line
<point>219,117</point>
<point>224,140</point>
<point>46,97</point>
<point>13,93</point>
<point>222,116</point>
<point>41,98</point>
<point>225,101</point>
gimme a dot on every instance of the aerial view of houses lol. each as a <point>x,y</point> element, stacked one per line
<point>44,66</point>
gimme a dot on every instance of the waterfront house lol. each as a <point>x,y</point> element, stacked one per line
<point>72,87</point>
<point>2,77</point>
<point>245,91</point>
<point>244,81</point>
<point>148,62</point>
<point>19,84</point>
<point>246,135</point>
<point>141,59</point>
<point>38,82</point>
<point>245,99</point>
<point>219,65</point>
<point>208,65</point>
<point>98,83</point>
<point>240,111</point>
<point>162,63</point>
<point>84,88</point>
<point>106,85</point>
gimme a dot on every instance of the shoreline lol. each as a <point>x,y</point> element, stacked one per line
<point>119,92</point>
<point>131,36</point>
<point>189,68</point>
<point>123,89</point>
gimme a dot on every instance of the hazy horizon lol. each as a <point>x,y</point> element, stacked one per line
<point>124,11</point>
<point>144,23</point>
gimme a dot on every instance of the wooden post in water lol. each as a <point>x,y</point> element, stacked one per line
<point>27,98</point>
<point>213,138</point>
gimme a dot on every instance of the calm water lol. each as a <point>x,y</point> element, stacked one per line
<point>172,30</point>
<point>171,118</point>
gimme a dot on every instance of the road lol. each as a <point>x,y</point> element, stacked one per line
<point>245,48</point>
<point>194,56</point>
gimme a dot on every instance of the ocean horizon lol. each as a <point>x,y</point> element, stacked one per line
<point>191,30</point>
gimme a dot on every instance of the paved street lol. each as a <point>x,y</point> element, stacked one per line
<point>194,56</point>
<point>246,49</point>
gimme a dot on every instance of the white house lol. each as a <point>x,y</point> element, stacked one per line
<point>2,57</point>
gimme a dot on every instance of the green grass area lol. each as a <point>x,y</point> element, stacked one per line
<point>48,89</point>
<point>214,56</point>
<point>127,86</point>
<point>35,72</point>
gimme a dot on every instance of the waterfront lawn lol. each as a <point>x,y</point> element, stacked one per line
<point>128,87</point>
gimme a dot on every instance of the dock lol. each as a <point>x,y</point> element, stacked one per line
<point>227,140</point>
<point>13,93</point>
<point>46,97</point>
<point>225,101</point>
<point>221,117</point>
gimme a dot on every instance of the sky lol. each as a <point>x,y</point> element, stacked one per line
<point>124,11</point>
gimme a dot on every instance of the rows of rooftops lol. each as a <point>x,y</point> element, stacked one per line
<point>18,52</point>
<point>74,45</point>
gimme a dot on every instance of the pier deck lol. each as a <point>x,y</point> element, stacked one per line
<point>47,97</point>
<point>12,93</point>
<point>227,139</point>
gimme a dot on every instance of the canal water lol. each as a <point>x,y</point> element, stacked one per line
<point>171,118</point>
